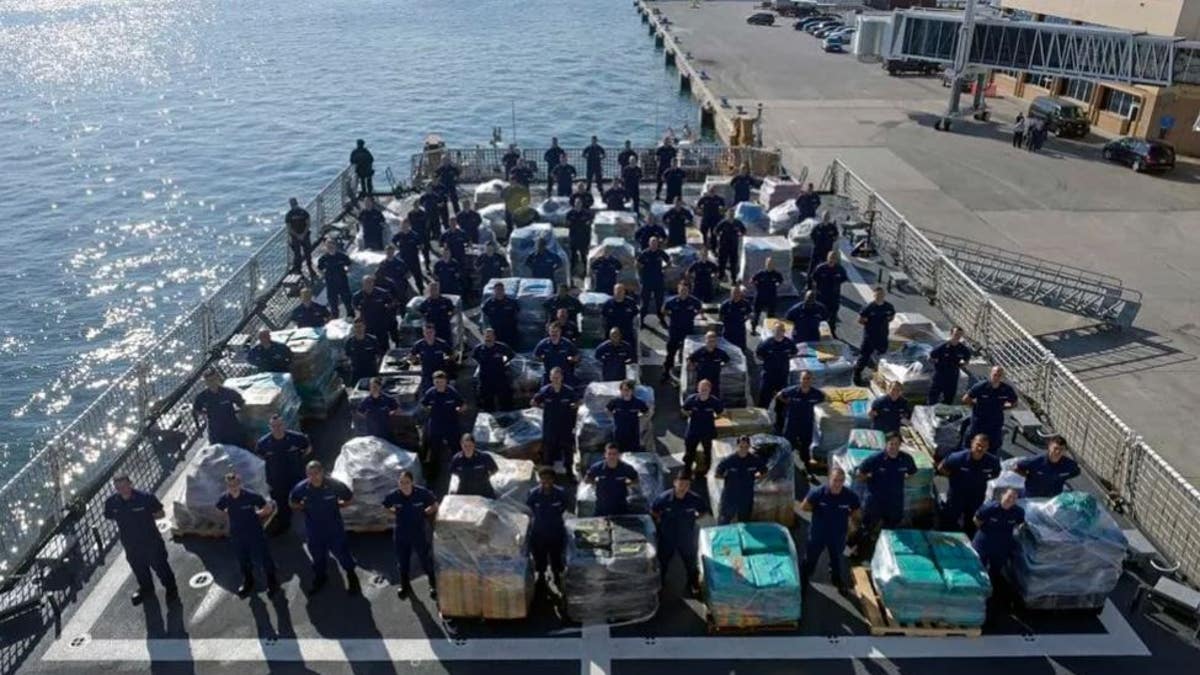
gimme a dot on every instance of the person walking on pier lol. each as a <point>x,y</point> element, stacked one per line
<point>832,506</point>
<point>364,167</point>
<point>947,359</point>
<point>676,511</point>
<point>246,510</point>
<point>594,155</point>
<point>299,225</point>
<point>734,312</point>
<point>219,406</point>
<point>335,264</point>
<point>664,155</point>
<point>284,453</point>
<point>631,180</point>
<point>875,318</point>
<point>989,400</point>
<point>553,156</point>
<point>413,506</point>
<point>548,533</point>
<point>827,280</point>
<point>321,499</point>
<point>558,402</point>
<point>135,513</point>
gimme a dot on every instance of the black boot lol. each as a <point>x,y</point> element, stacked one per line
<point>272,585</point>
<point>405,589</point>
<point>139,596</point>
<point>353,587</point>
<point>247,586</point>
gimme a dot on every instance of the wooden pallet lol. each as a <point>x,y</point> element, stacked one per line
<point>880,619</point>
<point>714,629</point>
<point>913,439</point>
<point>213,531</point>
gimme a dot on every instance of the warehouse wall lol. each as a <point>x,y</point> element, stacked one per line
<point>1162,17</point>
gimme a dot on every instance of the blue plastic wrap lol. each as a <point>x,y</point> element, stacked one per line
<point>750,575</point>
<point>930,577</point>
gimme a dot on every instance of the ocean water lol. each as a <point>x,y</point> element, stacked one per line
<point>147,146</point>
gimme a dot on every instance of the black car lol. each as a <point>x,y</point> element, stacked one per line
<point>902,66</point>
<point>761,19</point>
<point>803,24</point>
<point>1061,116</point>
<point>1141,154</point>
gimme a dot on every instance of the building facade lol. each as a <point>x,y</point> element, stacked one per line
<point>1171,113</point>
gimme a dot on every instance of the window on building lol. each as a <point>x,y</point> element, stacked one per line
<point>1043,81</point>
<point>1119,102</point>
<point>1080,90</point>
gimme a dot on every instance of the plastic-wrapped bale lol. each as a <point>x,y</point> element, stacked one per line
<point>734,379</point>
<point>412,323</point>
<point>589,370</point>
<point>623,251</point>
<point>493,214</point>
<point>406,423</point>
<point>531,297</point>
<point>756,251</point>
<point>618,224</point>
<point>911,368</point>
<point>828,348</point>
<point>337,332</point>
<point>777,191</point>
<point>918,490</point>
<point>841,208</point>
<point>720,184</point>
<point>400,207</point>
<point>371,467</point>
<point>931,578</point>
<point>1069,554</point>
<point>266,394</point>
<point>781,219</point>
<point>591,329</point>
<point>313,369</point>
<point>754,217</point>
<point>194,503</point>
<point>681,258</point>
<point>940,426</point>
<point>554,210</point>
<point>612,569</point>
<point>915,326</point>
<point>525,374</point>
<point>750,575</point>
<point>594,424</point>
<point>775,493</point>
<point>828,360</point>
<point>363,262</point>
<point>736,422</point>
<point>523,243</point>
<point>652,480</point>
<point>1008,479</point>
<point>489,193</point>
<point>800,236</point>
<point>844,410</point>
<point>512,481</point>
<point>481,557</point>
<point>516,434</point>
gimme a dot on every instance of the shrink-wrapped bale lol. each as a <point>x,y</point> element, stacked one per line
<point>515,434</point>
<point>1069,554</point>
<point>778,191</point>
<point>800,237</point>
<point>829,362</point>
<point>844,409</point>
<point>736,422</point>
<point>523,243</point>
<point>489,193</point>
<point>720,185</point>
<point>194,501</point>
<point>412,323</point>
<point>590,370</point>
<point>591,328</point>
<point>754,217</point>
<point>265,394</point>
<point>337,331</point>
<point>531,296</point>
<point>827,348</point>
<point>1008,479</point>
<point>681,258</point>
<point>493,215</point>
<point>363,262</point>
<point>594,424</point>
<point>781,219</point>
<point>480,552</point>
<point>313,369</point>
<point>525,374</point>
<point>910,367</point>
<point>652,480</point>
<point>841,208</point>
<point>915,326</point>
<point>371,468</point>
<point>618,224</point>
<point>756,251</point>
<point>750,575</point>
<point>918,488</point>
<point>553,210</point>
<point>930,577</point>
<point>623,251</point>
<point>734,380</point>
<point>513,480</point>
<point>409,417</point>
<point>774,493</point>
<point>612,569</point>
<point>941,426</point>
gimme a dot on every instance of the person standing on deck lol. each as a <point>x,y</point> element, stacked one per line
<point>579,231</point>
<point>474,469</point>
<point>269,356</point>
<point>728,234</point>
<point>438,311</point>
<point>614,354</point>
<point>674,178</point>
<point>701,410</point>
<point>594,155</point>
<point>743,183</point>
<point>1046,475</point>
<point>432,353</point>
<point>364,352</point>
<point>500,311</point>
<point>740,471</point>
<point>627,155</point>
<point>375,412</point>
<point>336,266</point>
<point>413,506</point>
<point>651,266</point>
<point>766,283</point>
<point>664,155</point>
<point>807,203</point>
<point>246,510</point>
<point>219,406</point>
<point>620,312</point>
<point>969,471</point>
<point>135,513</point>
<point>490,265</point>
<point>364,167</point>
<point>284,453</point>
<point>446,176</point>
<point>884,473</point>
<point>677,220</point>
<point>584,195</point>
<point>627,411</point>
<point>510,159</point>
<point>299,228</point>
<point>734,312</point>
<point>680,312</point>
<point>988,401</point>
<point>410,244</point>
<point>558,403</point>
<point>799,403</point>
<point>614,196</point>
<point>707,361</point>
<point>494,388</point>
<point>321,498</point>
<point>775,354</point>
<point>372,225</point>
<point>827,280</point>
<point>889,411</point>
<point>612,479</point>
<point>377,308</point>
<point>548,533</point>
<point>433,202</point>
<point>702,274</point>
<point>948,359</point>
<point>443,405</point>
<point>711,206</point>
<point>995,526</point>
<point>824,236</point>
<point>542,263</point>
<point>556,353</point>
<point>875,317</point>
<point>553,157</point>
<point>564,178</point>
<point>449,273</point>
<point>806,317</point>
<point>631,181</point>
<point>832,506</point>
<point>676,512</point>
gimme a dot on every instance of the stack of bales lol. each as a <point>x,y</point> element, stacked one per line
<point>371,468</point>
<point>482,559</point>
<point>194,503</point>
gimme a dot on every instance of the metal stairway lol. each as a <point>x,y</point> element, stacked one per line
<point>1042,282</point>
<point>1085,52</point>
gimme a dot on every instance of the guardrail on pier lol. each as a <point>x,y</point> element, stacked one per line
<point>1160,501</point>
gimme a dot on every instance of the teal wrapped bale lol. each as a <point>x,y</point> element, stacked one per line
<point>266,394</point>
<point>930,577</point>
<point>918,489</point>
<point>750,575</point>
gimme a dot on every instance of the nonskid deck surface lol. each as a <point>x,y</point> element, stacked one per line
<point>213,630</point>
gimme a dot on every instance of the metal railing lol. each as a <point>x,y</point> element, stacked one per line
<point>486,163</point>
<point>1160,501</point>
<point>69,469</point>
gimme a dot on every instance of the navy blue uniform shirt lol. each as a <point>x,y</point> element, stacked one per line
<point>335,265</point>
<point>136,526</point>
<point>878,317</point>
<point>501,314</point>
<point>677,222</point>
<point>734,314</point>
<point>284,458</point>
<point>729,232</point>
<point>244,524</point>
<point>449,276</point>
<point>604,273</point>
<point>626,421</point>
<point>711,207</point>
<point>827,280</point>
<point>776,356</point>
<point>474,473</point>
<point>677,517</point>
<point>543,264</point>
<point>443,409</point>
<point>548,507</point>
<point>620,315</point>
<point>491,266</point>
<point>806,321</point>
<point>312,315</point>
<point>889,412</point>
<point>612,486</point>
<point>969,476</point>
<point>410,512</point>
<point>272,358</point>
<point>681,314</point>
<point>1044,478</point>
<point>799,405</point>
<point>948,358</point>
<point>220,408</point>
<point>556,355</point>
<point>456,242</point>
<point>438,311</point>
<point>432,355</point>
<point>377,410</point>
<point>885,484</point>
<point>766,285</point>
<point>651,264</point>
<point>995,535</point>
<point>831,513</point>
<point>740,474</point>
<point>709,363</point>
<point>363,355</point>
<point>990,402</point>
<point>493,360</point>
<point>613,358</point>
<point>702,420</point>
<point>645,232</point>
<point>558,410</point>
<point>370,222</point>
<point>322,515</point>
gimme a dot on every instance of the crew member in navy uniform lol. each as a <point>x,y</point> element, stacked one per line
<point>410,244</point>
<point>766,283</point>
<point>740,471</point>
<point>377,308</point>
<point>558,403</point>
<point>612,479</point>
<point>594,155</point>
<point>680,312</point>
<point>501,314</point>
<point>631,181</point>
<point>364,167</point>
<point>807,203</point>
<point>824,236</point>
<point>455,241</point>
<point>548,534</point>
<point>890,410</point>
<point>364,351</point>
<point>269,356</point>
<point>372,225</point>
<point>988,401</point>
<point>665,158</point>
<point>627,411</point>
<point>707,361</point>
<point>553,157</point>
<point>309,313</point>
<point>676,512</point>
<point>969,471</point>
<point>728,233</point>
<point>614,354</point>
<point>564,300</point>
<point>875,317</point>
<point>284,452</point>
<point>510,159</point>
<point>556,352</point>
<point>433,203</point>
<point>827,280</point>
<point>579,231</point>
<point>521,174</point>
<point>542,263</point>
<point>582,194</point>
<point>614,196</point>
<point>711,206</point>
<point>651,264</point>
<point>702,275</point>
<point>375,412</point>
<point>734,312</point>
<point>776,354</point>
<point>335,264</point>
<point>995,523</point>
<point>135,513</point>
<point>474,469</point>
<point>677,220</point>
<point>321,498</point>
<point>627,155</point>
<point>604,272</point>
<point>620,312</point>
<point>443,405</point>
<point>832,506</point>
<point>649,229</point>
<point>246,511</point>
<point>438,310</point>
<point>470,221</point>
<point>447,179</point>
<point>395,272</point>
<point>491,265</point>
<point>449,273</point>
<point>948,359</point>
<point>563,177</point>
<point>799,402</point>
<point>299,237</point>
<point>806,317</point>
<point>219,406</point>
<point>495,391</point>
<point>674,177</point>
<point>413,505</point>
<point>884,473</point>
<point>701,410</point>
<point>1046,475</point>
<point>743,183</point>
<point>568,326</point>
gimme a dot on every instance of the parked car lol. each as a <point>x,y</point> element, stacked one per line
<point>1061,116</point>
<point>826,30</point>
<point>906,66</point>
<point>803,24</point>
<point>834,43</point>
<point>761,19</point>
<point>820,25</point>
<point>1141,154</point>
<point>948,80</point>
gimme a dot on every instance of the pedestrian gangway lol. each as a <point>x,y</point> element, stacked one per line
<point>1041,48</point>
<point>1042,282</point>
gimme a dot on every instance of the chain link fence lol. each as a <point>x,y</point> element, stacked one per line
<point>1161,502</point>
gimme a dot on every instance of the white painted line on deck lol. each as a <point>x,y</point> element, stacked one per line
<point>596,658</point>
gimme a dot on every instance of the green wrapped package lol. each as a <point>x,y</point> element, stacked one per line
<point>750,575</point>
<point>930,577</point>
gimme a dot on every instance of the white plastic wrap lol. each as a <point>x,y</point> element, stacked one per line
<point>337,331</point>
<point>914,326</point>
<point>554,210</point>
<point>756,251</point>
<point>531,297</point>
<point>800,236</point>
<point>525,374</point>
<point>612,570</point>
<point>940,426</point>
<point>480,552</point>
<point>194,502</point>
<point>493,214</point>
<point>523,243</point>
<point>491,192</point>
<point>513,480</point>
<point>844,410</point>
<point>266,394</point>
<point>721,186</point>
<point>363,262</point>
<point>594,424</point>
<point>623,251</point>
<point>412,323</point>
<point>515,434</point>
<point>313,369</point>
<point>774,493</point>
<point>652,480</point>
<point>930,577</point>
<point>753,216</point>
<point>777,191</point>
<point>734,381</point>
<point>782,218</point>
<point>591,329</point>
<point>371,468</point>
<point>681,258</point>
<point>619,224</point>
